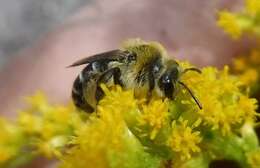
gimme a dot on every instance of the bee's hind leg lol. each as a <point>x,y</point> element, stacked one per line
<point>113,72</point>
<point>105,78</point>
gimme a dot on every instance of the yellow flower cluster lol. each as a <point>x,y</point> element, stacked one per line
<point>10,141</point>
<point>230,24</point>
<point>51,124</point>
<point>224,105</point>
<point>41,129</point>
<point>245,21</point>
<point>254,158</point>
<point>253,7</point>
<point>184,139</point>
<point>105,140</point>
<point>155,115</point>
<point>248,68</point>
<point>99,140</point>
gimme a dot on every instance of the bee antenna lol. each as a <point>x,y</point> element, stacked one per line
<point>191,93</point>
<point>192,69</point>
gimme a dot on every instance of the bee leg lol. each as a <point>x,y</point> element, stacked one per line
<point>105,77</point>
<point>113,72</point>
<point>151,82</point>
<point>145,84</point>
<point>153,71</point>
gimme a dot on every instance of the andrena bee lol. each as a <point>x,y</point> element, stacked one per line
<point>141,66</point>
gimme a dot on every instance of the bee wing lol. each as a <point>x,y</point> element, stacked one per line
<point>109,55</point>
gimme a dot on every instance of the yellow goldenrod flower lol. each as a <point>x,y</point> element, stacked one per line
<point>248,68</point>
<point>51,148</point>
<point>184,140</point>
<point>106,141</point>
<point>249,77</point>
<point>6,152</point>
<point>253,158</point>
<point>229,23</point>
<point>31,124</point>
<point>38,102</point>
<point>154,114</point>
<point>221,98</point>
<point>49,127</point>
<point>96,141</point>
<point>239,64</point>
<point>253,7</point>
<point>11,139</point>
<point>245,21</point>
<point>127,100</point>
<point>248,108</point>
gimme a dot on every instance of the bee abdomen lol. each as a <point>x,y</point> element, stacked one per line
<point>78,96</point>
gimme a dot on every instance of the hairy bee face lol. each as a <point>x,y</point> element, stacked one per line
<point>142,67</point>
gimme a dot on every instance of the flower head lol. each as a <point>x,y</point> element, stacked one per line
<point>230,24</point>
<point>253,7</point>
<point>184,139</point>
<point>10,140</point>
<point>222,100</point>
<point>49,127</point>
<point>96,141</point>
<point>248,69</point>
<point>154,115</point>
<point>245,21</point>
<point>253,158</point>
<point>106,141</point>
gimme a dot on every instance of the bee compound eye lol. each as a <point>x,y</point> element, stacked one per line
<point>165,79</point>
<point>166,85</point>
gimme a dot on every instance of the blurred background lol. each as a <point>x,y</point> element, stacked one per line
<point>22,22</point>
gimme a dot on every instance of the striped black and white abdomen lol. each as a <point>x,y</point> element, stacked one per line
<point>79,88</point>
<point>85,91</point>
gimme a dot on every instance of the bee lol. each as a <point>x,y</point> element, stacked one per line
<point>141,66</point>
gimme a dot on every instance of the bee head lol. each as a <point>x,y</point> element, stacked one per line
<point>170,79</point>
